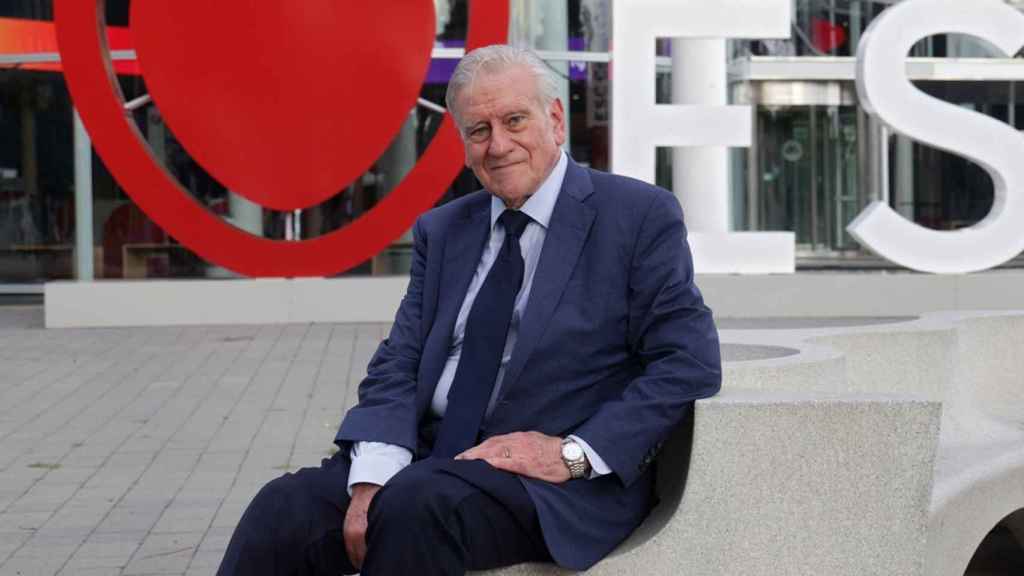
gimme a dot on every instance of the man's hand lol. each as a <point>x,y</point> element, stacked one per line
<point>355,522</point>
<point>529,454</point>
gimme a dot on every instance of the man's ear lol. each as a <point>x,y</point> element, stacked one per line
<point>556,113</point>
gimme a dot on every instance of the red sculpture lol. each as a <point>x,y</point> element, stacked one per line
<point>97,96</point>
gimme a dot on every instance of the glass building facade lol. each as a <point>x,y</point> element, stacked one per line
<point>817,160</point>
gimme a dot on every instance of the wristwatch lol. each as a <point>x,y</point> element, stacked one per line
<point>575,459</point>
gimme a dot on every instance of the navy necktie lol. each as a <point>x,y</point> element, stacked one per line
<point>483,344</point>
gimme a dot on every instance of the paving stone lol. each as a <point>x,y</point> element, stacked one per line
<point>29,566</point>
<point>24,520</point>
<point>135,451</point>
<point>216,538</point>
<point>128,519</point>
<point>232,508</point>
<point>81,515</point>
<point>67,475</point>
<point>10,540</point>
<point>105,550</point>
<point>181,518</point>
<point>206,561</point>
<point>164,553</point>
<point>44,497</point>
<point>71,570</point>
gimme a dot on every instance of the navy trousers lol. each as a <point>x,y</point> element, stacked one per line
<point>436,516</point>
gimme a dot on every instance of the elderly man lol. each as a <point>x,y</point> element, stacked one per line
<point>550,339</point>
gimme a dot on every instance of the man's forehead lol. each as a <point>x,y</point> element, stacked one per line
<point>499,91</point>
<point>511,79</point>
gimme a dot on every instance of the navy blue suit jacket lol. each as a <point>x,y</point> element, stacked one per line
<point>614,345</point>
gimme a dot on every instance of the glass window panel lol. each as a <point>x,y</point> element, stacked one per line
<point>36,178</point>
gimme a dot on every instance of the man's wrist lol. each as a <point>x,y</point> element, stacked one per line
<point>598,467</point>
<point>365,487</point>
<point>575,459</point>
<point>364,492</point>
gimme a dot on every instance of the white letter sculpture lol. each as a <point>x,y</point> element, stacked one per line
<point>640,125</point>
<point>886,93</point>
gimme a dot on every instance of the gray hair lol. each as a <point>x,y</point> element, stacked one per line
<point>498,57</point>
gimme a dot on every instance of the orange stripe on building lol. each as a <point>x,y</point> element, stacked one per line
<point>20,36</point>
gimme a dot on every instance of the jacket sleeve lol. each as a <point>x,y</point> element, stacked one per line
<point>386,411</point>
<point>672,335</point>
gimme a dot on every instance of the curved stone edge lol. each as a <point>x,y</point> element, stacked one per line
<point>807,474</point>
<point>972,362</point>
<point>923,361</point>
<point>966,508</point>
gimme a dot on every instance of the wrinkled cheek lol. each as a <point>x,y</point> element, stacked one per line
<point>486,178</point>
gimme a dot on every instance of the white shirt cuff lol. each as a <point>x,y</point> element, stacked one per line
<point>376,463</point>
<point>597,465</point>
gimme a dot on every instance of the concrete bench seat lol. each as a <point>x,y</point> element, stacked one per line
<point>787,483</point>
<point>867,446</point>
<point>979,480</point>
<point>971,362</point>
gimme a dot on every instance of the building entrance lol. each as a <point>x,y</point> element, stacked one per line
<point>805,175</point>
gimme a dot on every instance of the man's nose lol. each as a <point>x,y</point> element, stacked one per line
<point>500,143</point>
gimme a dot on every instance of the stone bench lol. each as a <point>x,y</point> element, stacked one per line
<point>973,363</point>
<point>787,484</point>
<point>979,478</point>
<point>852,446</point>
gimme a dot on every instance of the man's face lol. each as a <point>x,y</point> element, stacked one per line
<point>512,141</point>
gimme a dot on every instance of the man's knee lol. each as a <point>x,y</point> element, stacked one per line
<point>276,493</point>
<point>416,499</point>
<point>270,530</point>
<point>279,511</point>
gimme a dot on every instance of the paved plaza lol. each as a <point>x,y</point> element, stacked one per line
<point>134,451</point>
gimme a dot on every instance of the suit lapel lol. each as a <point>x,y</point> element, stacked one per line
<point>462,250</point>
<point>463,246</point>
<point>567,233</point>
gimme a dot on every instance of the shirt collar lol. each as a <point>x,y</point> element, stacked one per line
<point>541,205</point>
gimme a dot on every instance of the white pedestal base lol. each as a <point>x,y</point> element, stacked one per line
<point>743,252</point>
<point>191,302</point>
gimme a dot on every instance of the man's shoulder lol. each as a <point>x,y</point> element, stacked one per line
<point>624,191</point>
<point>440,217</point>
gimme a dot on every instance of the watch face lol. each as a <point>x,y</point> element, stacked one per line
<point>572,451</point>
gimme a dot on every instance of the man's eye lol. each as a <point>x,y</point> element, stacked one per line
<point>516,121</point>
<point>479,134</point>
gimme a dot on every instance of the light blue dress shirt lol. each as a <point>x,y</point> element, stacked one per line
<point>377,462</point>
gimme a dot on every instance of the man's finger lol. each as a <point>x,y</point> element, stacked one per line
<point>355,555</point>
<point>480,451</point>
<point>506,464</point>
<point>360,551</point>
<point>354,528</point>
<point>484,447</point>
